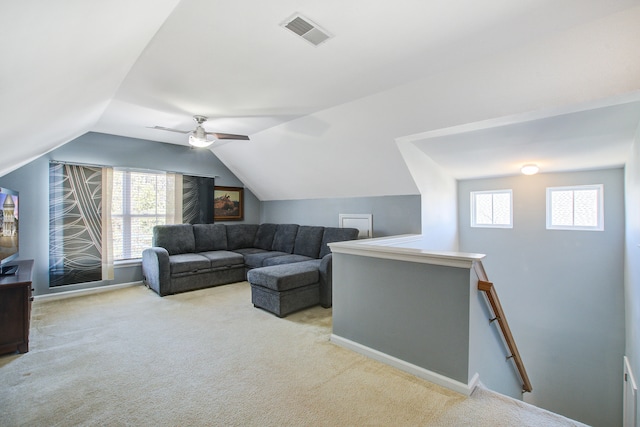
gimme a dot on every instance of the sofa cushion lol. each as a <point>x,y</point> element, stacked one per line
<point>286,259</point>
<point>175,238</point>
<point>223,258</point>
<point>308,241</point>
<point>241,236</point>
<point>246,251</point>
<point>264,236</point>
<point>210,237</point>
<point>285,238</point>
<point>254,260</point>
<point>184,263</point>
<point>333,234</point>
<point>284,277</point>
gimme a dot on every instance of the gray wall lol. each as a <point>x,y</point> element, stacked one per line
<point>392,215</point>
<point>428,315</point>
<point>416,312</point>
<point>562,292</point>
<point>32,180</point>
<point>632,258</point>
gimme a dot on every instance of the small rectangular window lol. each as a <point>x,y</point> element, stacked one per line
<point>492,209</point>
<point>575,208</point>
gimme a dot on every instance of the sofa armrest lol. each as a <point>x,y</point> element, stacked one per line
<point>326,289</point>
<point>155,269</point>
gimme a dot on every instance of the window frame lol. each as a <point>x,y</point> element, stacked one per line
<point>127,216</point>
<point>600,208</point>
<point>473,220</point>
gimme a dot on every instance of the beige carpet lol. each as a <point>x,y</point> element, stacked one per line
<point>129,357</point>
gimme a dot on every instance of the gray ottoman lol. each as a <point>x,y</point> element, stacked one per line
<point>283,289</point>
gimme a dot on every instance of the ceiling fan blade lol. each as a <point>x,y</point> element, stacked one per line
<point>228,136</point>
<point>169,129</point>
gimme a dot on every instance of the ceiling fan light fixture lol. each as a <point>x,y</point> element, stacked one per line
<point>198,136</point>
<point>198,141</point>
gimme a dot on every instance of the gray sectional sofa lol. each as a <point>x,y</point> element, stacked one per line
<point>287,265</point>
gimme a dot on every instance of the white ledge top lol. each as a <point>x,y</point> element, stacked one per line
<point>409,247</point>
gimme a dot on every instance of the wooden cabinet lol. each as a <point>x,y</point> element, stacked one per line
<point>15,309</point>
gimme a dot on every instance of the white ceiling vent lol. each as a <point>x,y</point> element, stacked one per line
<point>306,29</point>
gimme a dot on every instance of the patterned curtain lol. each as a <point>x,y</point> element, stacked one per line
<point>76,224</point>
<point>197,199</point>
<point>190,203</point>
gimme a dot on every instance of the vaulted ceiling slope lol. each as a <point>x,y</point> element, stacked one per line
<point>62,64</point>
<point>324,120</point>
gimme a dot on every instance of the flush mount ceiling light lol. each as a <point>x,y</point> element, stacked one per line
<point>530,169</point>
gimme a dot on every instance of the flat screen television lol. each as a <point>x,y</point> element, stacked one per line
<point>8,230</point>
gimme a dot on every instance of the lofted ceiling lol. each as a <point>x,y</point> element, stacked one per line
<point>324,120</point>
<point>581,140</point>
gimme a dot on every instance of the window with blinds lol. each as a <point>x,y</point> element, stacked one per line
<point>140,200</point>
<point>493,209</point>
<point>575,208</point>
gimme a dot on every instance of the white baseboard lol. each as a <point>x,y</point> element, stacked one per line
<point>88,291</point>
<point>410,368</point>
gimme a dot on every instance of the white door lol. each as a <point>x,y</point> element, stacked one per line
<point>630,397</point>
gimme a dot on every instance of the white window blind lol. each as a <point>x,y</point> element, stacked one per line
<point>492,209</point>
<point>575,208</point>
<point>140,201</point>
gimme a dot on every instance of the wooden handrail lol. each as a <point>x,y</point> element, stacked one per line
<point>488,288</point>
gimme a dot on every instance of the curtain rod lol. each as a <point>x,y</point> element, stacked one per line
<point>91,165</point>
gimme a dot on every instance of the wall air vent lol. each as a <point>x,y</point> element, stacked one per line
<point>306,29</point>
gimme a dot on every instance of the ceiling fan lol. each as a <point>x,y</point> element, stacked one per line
<point>198,136</point>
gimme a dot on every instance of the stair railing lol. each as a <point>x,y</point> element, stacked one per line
<point>498,315</point>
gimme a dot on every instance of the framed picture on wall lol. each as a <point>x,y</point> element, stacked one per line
<point>228,203</point>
